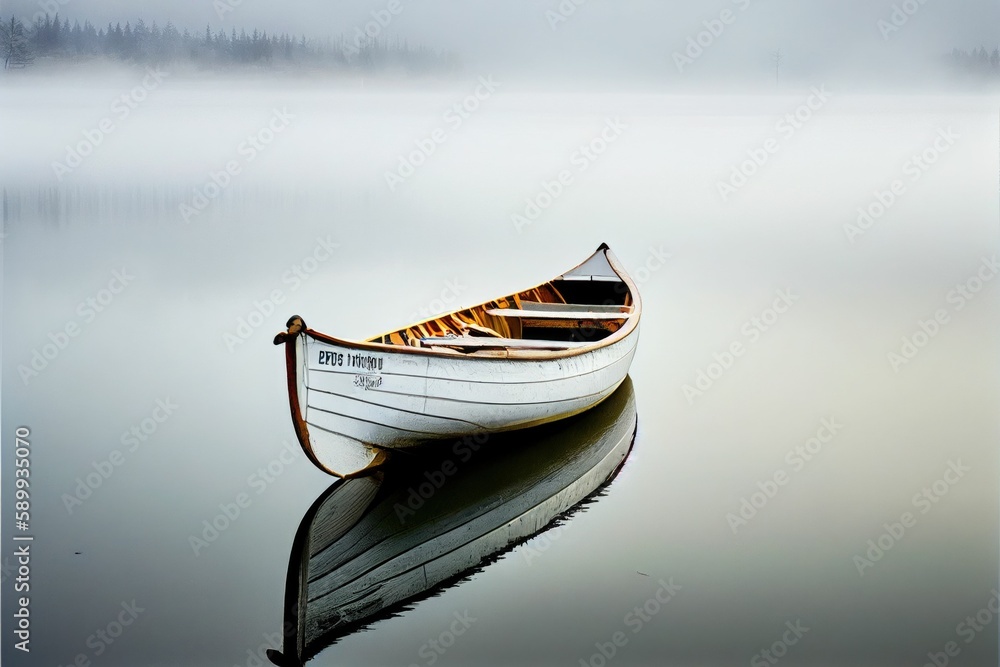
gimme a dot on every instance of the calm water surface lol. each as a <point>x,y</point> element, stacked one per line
<point>798,464</point>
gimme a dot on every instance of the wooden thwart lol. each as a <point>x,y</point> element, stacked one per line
<point>495,343</point>
<point>551,314</point>
<point>574,307</point>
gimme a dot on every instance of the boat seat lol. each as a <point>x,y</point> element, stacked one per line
<point>556,314</point>
<point>468,342</point>
<point>575,307</point>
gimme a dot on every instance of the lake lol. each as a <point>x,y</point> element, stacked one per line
<point>814,475</point>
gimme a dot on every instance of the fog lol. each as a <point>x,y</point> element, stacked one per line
<point>860,191</point>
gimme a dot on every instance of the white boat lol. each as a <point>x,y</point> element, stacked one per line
<point>371,547</point>
<point>531,357</point>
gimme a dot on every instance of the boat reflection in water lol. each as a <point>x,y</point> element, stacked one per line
<point>369,546</point>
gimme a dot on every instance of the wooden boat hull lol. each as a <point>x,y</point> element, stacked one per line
<point>353,403</point>
<point>369,546</point>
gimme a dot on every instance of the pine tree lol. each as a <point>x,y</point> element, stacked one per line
<point>57,37</point>
<point>14,44</point>
<point>141,41</point>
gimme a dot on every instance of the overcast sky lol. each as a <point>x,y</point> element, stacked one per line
<point>820,38</point>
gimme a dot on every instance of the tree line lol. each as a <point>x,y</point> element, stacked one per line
<point>56,39</point>
<point>977,61</point>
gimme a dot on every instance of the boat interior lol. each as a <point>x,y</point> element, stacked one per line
<point>579,308</point>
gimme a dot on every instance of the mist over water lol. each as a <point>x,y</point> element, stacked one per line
<point>842,239</point>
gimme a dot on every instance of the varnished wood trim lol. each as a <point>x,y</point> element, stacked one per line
<point>291,373</point>
<point>535,355</point>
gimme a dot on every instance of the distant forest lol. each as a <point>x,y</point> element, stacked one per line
<point>55,39</point>
<point>978,61</point>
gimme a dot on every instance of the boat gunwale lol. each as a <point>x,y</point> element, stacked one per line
<point>631,323</point>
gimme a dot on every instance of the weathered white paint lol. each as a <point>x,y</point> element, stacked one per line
<point>358,398</point>
<point>425,397</point>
